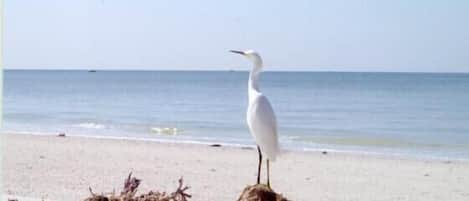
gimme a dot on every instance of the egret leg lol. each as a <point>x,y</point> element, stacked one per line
<point>259,166</point>
<point>268,173</point>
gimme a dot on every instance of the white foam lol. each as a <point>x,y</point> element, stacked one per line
<point>90,125</point>
<point>165,131</point>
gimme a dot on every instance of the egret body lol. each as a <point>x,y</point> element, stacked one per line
<point>260,116</point>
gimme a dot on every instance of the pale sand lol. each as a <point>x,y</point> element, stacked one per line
<point>63,169</point>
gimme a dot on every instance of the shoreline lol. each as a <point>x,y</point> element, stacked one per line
<point>356,151</point>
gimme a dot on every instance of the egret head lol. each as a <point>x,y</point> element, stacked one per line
<point>251,55</point>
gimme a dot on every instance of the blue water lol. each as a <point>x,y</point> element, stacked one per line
<point>418,114</point>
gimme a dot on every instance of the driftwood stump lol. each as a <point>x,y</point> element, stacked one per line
<point>260,192</point>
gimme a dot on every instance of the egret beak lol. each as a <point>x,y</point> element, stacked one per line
<point>237,52</point>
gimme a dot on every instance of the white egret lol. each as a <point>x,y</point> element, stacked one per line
<point>260,116</point>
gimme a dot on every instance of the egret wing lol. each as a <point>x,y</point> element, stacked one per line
<point>263,126</point>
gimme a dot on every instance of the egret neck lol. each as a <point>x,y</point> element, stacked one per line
<point>253,87</point>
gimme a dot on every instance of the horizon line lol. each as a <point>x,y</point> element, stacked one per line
<point>232,70</point>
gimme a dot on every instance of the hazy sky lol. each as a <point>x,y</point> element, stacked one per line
<point>337,35</point>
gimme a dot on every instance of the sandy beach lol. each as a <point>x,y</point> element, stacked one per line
<point>58,168</point>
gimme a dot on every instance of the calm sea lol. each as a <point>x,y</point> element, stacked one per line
<point>410,114</point>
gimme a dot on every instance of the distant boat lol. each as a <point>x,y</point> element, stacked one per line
<point>231,70</point>
<point>92,71</point>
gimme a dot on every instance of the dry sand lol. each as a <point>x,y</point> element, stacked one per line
<point>60,168</point>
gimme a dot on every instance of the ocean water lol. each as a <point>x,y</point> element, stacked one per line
<point>409,114</point>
